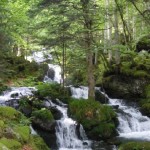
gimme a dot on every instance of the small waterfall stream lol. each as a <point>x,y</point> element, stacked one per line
<point>66,131</point>
<point>132,124</point>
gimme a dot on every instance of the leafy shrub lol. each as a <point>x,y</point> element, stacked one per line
<point>43,114</point>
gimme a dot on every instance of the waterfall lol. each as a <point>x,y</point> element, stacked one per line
<point>66,132</point>
<point>132,124</point>
<point>53,74</point>
<point>79,92</point>
<point>15,93</point>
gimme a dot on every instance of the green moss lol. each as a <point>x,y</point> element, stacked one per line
<point>140,73</point>
<point>3,147</point>
<point>8,113</point>
<point>23,133</point>
<point>147,91</point>
<point>43,114</point>
<point>11,143</point>
<point>53,90</point>
<point>38,143</point>
<point>97,119</point>
<point>135,146</point>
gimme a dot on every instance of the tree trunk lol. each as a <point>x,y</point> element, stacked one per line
<point>88,48</point>
<point>117,52</point>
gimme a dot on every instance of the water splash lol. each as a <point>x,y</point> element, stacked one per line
<point>66,133</point>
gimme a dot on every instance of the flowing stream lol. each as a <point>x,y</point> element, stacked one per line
<point>132,124</point>
<point>66,131</point>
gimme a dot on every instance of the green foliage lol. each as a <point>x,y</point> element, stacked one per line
<point>3,147</point>
<point>11,143</point>
<point>8,113</point>
<point>38,143</point>
<point>135,146</point>
<point>23,133</point>
<point>43,114</point>
<point>53,90</point>
<point>97,119</point>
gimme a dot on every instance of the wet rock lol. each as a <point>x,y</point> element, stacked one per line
<point>56,113</point>
<point>46,126</point>
<point>51,73</point>
<point>124,87</point>
<point>101,97</point>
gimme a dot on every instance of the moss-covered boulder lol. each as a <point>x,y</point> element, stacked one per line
<point>98,120</point>
<point>145,103</point>
<point>43,119</point>
<point>130,80</point>
<point>15,132</point>
<point>54,91</point>
<point>11,144</point>
<point>125,87</point>
<point>143,44</point>
<point>135,146</point>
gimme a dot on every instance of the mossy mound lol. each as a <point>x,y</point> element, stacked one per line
<point>145,103</point>
<point>43,114</point>
<point>143,44</point>
<point>98,120</point>
<point>15,132</point>
<point>131,79</point>
<point>135,146</point>
<point>43,119</point>
<point>54,91</point>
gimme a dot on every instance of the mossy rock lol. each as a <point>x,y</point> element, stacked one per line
<point>43,114</point>
<point>22,133</point>
<point>11,143</point>
<point>54,91</point>
<point>135,146</point>
<point>44,120</point>
<point>8,113</point>
<point>146,109</point>
<point>143,44</point>
<point>98,120</point>
<point>3,147</point>
<point>38,143</point>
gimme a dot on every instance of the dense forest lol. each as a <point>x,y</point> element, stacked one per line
<point>102,46</point>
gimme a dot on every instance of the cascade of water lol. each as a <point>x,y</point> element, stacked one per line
<point>132,124</point>
<point>79,92</point>
<point>39,56</point>
<point>16,93</point>
<point>56,71</point>
<point>66,132</point>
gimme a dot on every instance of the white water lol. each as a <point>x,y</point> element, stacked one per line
<point>57,74</point>
<point>16,93</point>
<point>40,56</point>
<point>132,124</point>
<point>67,138</point>
<point>79,92</point>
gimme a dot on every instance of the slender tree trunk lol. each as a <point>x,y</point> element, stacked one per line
<point>88,48</point>
<point>108,31</point>
<point>117,52</point>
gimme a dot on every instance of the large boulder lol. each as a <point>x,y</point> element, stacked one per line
<point>125,87</point>
<point>44,120</point>
<point>143,44</point>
